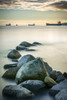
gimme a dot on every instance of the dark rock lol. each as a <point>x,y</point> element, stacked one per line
<point>10,65</point>
<point>25,59</point>
<point>62,95</point>
<point>10,73</point>
<point>60,78</point>
<point>26,44</point>
<point>48,68</point>
<point>33,85</point>
<point>49,81</point>
<point>54,74</point>
<point>65,74</point>
<point>14,54</point>
<point>33,70</point>
<point>21,47</point>
<point>56,88</point>
<point>30,50</point>
<point>36,43</point>
<point>17,91</point>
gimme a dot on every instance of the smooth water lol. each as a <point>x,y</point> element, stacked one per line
<point>53,50</point>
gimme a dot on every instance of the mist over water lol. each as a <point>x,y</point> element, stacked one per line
<point>53,50</point>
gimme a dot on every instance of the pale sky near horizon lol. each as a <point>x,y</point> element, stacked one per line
<point>39,12</point>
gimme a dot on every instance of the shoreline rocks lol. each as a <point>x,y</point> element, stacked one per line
<point>7,66</point>
<point>14,54</point>
<point>34,69</point>
<point>17,91</point>
<point>25,59</point>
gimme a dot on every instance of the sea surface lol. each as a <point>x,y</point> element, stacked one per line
<point>53,49</point>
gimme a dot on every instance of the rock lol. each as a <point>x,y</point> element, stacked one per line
<point>17,91</point>
<point>36,43</point>
<point>60,78</point>
<point>33,85</point>
<point>7,66</point>
<point>62,95</point>
<point>14,54</point>
<point>56,88</point>
<point>30,50</point>
<point>49,81</point>
<point>26,44</point>
<point>48,68</point>
<point>21,47</point>
<point>54,74</point>
<point>65,74</point>
<point>10,73</point>
<point>33,70</point>
<point>25,59</point>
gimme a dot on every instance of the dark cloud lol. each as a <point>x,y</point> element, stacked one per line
<point>60,5</point>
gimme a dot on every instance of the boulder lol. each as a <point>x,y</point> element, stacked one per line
<point>33,70</point>
<point>65,74</point>
<point>60,78</point>
<point>48,68</point>
<point>62,95</point>
<point>19,47</point>
<point>54,74</point>
<point>25,59</point>
<point>49,81</point>
<point>10,73</point>
<point>16,91</point>
<point>26,44</point>
<point>56,88</point>
<point>36,43</point>
<point>7,66</point>
<point>14,54</point>
<point>33,85</point>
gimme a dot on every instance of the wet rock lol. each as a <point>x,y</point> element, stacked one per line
<point>48,68</point>
<point>25,59</point>
<point>49,81</point>
<point>36,43</point>
<point>14,54</point>
<point>33,85</point>
<point>10,73</point>
<point>17,91</point>
<point>56,88</point>
<point>60,78</point>
<point>33,70</point>
<point>54,74</point>
<point>7,66</point>
<point>65,74</point>
<point>62,95</point>
<point>21,47</point>
<point>26,44</point>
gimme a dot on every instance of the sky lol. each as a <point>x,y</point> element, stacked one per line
<point>40,12</point>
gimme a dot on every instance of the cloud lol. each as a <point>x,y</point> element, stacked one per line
<point>60,5</point>
<point>41,5</point>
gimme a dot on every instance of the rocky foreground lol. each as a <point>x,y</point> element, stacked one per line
<point>32,75</point>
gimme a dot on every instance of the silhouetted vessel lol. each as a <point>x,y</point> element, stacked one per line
<point>8,24</point>
<point>58,24</point>
<point>31,24</point>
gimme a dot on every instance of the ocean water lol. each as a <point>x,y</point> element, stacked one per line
<point>53,49</point>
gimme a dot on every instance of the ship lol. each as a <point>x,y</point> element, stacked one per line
<point>8,24</point>
<point>31,24</point>
<point>58,24</point>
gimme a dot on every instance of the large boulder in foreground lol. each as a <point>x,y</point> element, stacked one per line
<point>17,91</point>
<point>62,95</point>
<point>25,59</point>
<point>49,81</point>
<point>33,85</point>
<point>10,73</point>
<point>14,54</point>
<point>26,44</point>
<point>56,88</point>
<point>33,70</point>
